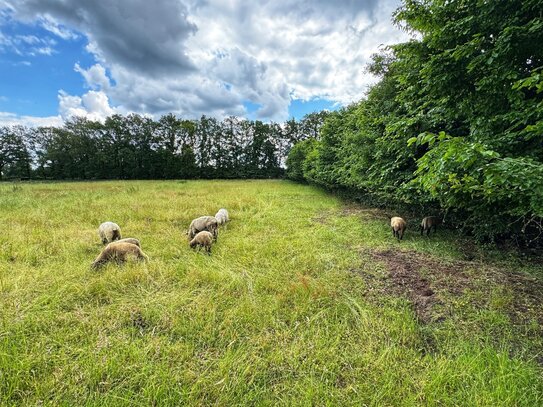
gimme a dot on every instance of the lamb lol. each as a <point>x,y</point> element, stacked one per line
<point>132,240</point>
<point>222,217</point>
<point>109,232</point>
<point>202,239</point>
<point>398,226</point>
<point>204,223</point>
<point>118,252</point>
<point>428,223</point>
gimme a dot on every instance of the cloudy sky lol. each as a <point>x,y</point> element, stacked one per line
<point>260,59</point>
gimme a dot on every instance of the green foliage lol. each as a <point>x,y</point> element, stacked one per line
<point>136,147</point>
<point>455,122</point>
<point>468,176</point>
<point>296,158</point>
<point>15,157</point>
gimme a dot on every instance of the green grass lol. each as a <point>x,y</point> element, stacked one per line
<point>290,309</point>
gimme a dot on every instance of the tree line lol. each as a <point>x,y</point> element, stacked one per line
<point>454,125</point>
<point>138,147</point>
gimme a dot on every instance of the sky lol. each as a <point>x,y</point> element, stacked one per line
<point>260,59</point>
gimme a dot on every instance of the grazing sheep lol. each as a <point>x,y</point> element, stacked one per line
<point>398,226</point>
<point>204,223</point>
<point>132,240</point>
<point>202,239</point>
<point>428,223</point>
<point>222,216</point>
<point>109,232</point>
<point>119,252</point>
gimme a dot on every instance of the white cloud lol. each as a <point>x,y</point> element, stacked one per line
<point>94,105</point>
<point>45,50</point>
<point>95,77</point>
<point>27,45</point>
<point>11,119</point>
<point>59,30</point>
<point>194,57</point>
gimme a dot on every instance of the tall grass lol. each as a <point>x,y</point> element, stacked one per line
<point>277,315</point>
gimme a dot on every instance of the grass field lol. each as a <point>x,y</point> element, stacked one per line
<point>305,301</point>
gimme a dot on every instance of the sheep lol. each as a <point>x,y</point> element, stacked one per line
<point>222,216</point>
<point>428,223</point>
<point>109,232</point>
<point>204,223</point>
<point>202,239</point>
<point>118,252</point>
<point>132,240</point>
<point>398,226</point>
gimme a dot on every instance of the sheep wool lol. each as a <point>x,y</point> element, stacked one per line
<point>132,240</point>
<point>109,232</point>
<point>119,252</point>
<point>204,223</point>
<point>202,239</point>
<point>428,223</point>
<point>222,216</point>
<point>398,226</point>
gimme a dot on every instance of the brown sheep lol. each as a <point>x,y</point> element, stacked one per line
<point>202,239</point>
<point>204,223</point>
<point>428,223</point>
<point>132,240</point>
<point>119,252</point>
<point>398,226</point>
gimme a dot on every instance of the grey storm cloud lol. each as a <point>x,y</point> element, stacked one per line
<point>143,35</point>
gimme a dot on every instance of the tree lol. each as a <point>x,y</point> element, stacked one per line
<point>454,123</point>
<point>15,161</point>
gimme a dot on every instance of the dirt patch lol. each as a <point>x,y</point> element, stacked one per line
<point>420,278</point>
<point>427,282</point>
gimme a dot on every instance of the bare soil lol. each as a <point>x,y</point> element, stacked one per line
<point>426,282</point>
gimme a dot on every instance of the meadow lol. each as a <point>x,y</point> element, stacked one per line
<point>305,300</point>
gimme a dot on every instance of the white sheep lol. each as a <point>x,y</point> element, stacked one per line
<point>207,223</point>
<point>109,232</point>
<point>222,217</point>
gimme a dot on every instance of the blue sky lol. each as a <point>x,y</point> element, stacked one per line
<point>260,60</point>
<point>30,83</point>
